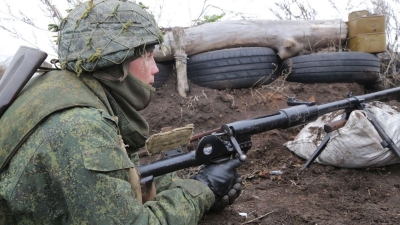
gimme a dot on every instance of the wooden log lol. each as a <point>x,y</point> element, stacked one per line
<point>287,37</point>
<point>180,61</point>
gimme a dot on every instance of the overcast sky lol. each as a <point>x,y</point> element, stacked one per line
<point>169,13</point>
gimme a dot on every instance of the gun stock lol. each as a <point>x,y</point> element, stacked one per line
<point>22,67</point>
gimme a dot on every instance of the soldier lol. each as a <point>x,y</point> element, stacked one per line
<point>64,157</point>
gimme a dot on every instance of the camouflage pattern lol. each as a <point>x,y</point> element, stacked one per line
<point>71,169</point>
<point>102,33</point>
<point>32,107</point>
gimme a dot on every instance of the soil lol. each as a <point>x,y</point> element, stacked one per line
<point>317,195</point>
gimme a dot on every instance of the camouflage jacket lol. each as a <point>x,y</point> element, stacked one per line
<point>70,169</point>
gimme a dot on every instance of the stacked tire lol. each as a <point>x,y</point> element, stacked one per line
<point>234,68</point>
<point>249,67</point>
<point>164,71</point>
<point>333,67</point>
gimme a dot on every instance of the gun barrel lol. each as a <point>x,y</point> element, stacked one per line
<point>168,165</point>
<point>284,118</point>
<point>353,102</point>
<point>301,114</point>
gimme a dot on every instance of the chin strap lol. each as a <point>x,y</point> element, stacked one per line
<point>101,75</point>
<point>107,77</point>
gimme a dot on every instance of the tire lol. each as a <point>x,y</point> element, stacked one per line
<point>233,68</point>
<point>333,67</point>
<point>165,69</point>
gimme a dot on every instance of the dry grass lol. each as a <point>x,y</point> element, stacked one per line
<point>278,85</point>
<point>2,70</point>
<point>390,71</point>
<point>3,66</point>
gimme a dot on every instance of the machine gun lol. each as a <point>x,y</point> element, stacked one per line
<point>234,139</point>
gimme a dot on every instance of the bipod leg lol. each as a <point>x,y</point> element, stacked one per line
<point>318,151</point>
<point>387,142</point>
<point>324,142</point>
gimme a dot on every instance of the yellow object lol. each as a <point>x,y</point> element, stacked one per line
<point>366,25</point>
<point>171,139</point>
<point>371,43</point>
<point>366,32</point>
<point>360,13</point>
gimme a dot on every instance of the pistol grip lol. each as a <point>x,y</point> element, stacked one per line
<point>334,125</point>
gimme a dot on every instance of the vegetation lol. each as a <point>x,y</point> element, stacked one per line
<point>208,19</point>
<point>283,10</point>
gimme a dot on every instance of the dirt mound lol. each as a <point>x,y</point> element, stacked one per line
<point>319,195</point>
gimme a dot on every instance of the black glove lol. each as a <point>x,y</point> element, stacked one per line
<point>223,180</point>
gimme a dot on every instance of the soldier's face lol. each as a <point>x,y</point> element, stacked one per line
<point>144,68</point>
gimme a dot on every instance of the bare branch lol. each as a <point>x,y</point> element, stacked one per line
<point>202,12</point>
<point>22,17</point>
<point>298,11</point>
<point>14,33</point>
<point>53,9</point>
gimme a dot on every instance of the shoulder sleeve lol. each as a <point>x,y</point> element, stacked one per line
<point>92,171</point>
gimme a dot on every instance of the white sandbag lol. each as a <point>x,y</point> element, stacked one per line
<point>357,144</point>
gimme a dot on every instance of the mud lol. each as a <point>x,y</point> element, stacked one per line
<point>318,195</point>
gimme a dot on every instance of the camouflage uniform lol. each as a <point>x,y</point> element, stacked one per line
<point>60,142</point>
<point>71,169</point>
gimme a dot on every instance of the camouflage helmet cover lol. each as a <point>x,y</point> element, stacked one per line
<point>102,33</point>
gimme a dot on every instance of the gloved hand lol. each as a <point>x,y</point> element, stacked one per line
<point>223,180</point>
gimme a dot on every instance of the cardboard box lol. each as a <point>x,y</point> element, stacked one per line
<point>371,43</point>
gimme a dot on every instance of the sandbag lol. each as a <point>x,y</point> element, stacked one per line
<point>355,145</point>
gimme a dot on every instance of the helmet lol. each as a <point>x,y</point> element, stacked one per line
<point>102,33</point>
